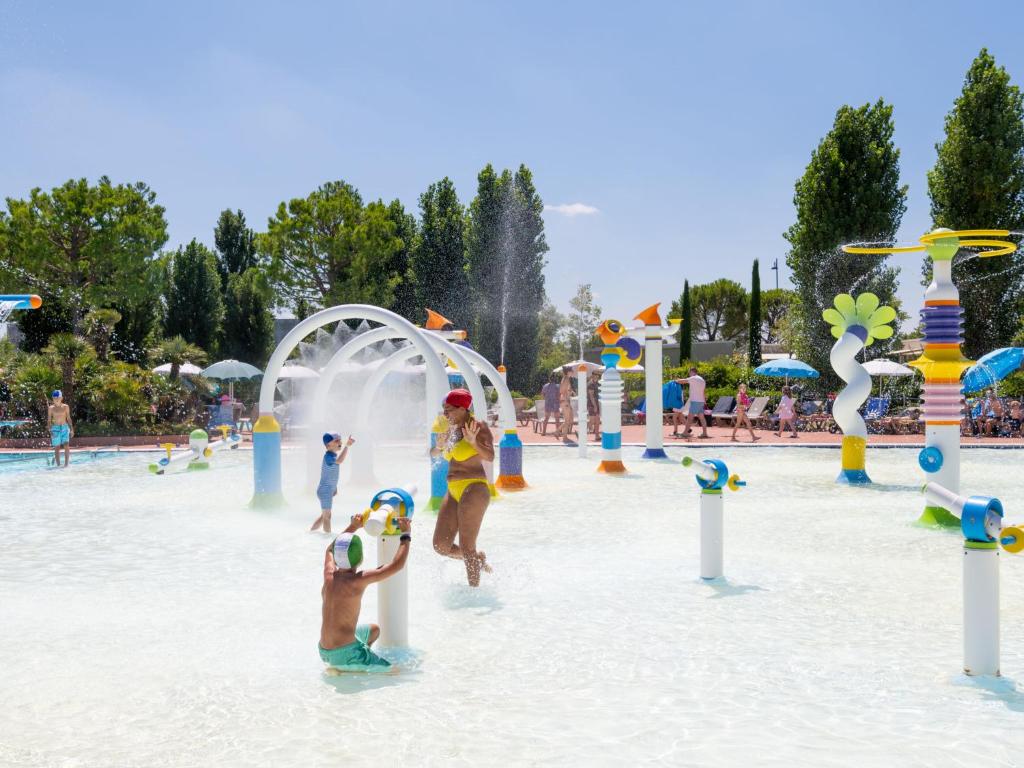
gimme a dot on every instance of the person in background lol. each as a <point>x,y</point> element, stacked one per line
<point>58,421</point>
<point>993,411</point>
<point>742,404</point>
<point>565,403</point>
<point>551,404</point>
<point>593,405</point>
<point>787,412</point>
<point>696,407</point>
<point>1013,418</point>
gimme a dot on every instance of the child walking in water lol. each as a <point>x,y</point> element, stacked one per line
<point>742,404</point>
<point>58,419</point>
<point>787,412</point>
<point>328,487</point>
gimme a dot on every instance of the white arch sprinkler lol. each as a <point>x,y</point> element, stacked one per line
<point>941,361</point>
<point>619,351</point>
<point>712,476</point>
<point>981,521</point>
<point>267,432</point>
<point>652,333</point>
<point>380,521</point>
<point>510,447</point>
<point>856,323</point>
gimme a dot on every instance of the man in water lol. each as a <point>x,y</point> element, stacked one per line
<point>344,643</point>
<point>58,420</point>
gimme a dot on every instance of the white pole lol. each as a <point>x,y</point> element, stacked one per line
<point>712,534</point>
<point>653,432</point>
<point>981,609</point>
<point>581,409</point>
<point>392,597</point>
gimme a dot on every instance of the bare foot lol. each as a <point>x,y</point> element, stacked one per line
<point>754,439</point>
<point>733,440</point>
<point>483,563</point>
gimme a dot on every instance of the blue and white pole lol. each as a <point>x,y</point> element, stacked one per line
<point>266,462</point>
<point>379,521</point>
<point>712,475</point>
<point>981,521</point>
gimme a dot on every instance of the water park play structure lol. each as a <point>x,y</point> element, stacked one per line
<point>653,335</point>
<point>942,361</point>
<point>620,351</point>
<point>11,302</point>
<point>380,522</point>
<point>199,451</point>
<point>430,344</point>
<point>981,521</point>
<point>856,323</point>
<point>712,475</point>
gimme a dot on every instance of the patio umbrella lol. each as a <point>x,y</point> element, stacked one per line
<point>575,364</point>
<point>993,367</point>
<point>186,369</point>
<point>789,368</point>
<point>882,368</point>
<point>231,371</point>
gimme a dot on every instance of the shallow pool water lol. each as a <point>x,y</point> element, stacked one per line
<point>156,621</point>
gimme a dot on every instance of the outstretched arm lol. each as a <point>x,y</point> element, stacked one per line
<point>344,451</point>
<point>384,571</point>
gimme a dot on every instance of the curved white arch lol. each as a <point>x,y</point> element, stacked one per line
<point>435,384</point>
<point>331,315</point>
<point>506,408</point>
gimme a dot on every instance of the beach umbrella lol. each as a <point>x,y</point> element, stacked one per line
<point>789,368</point>
<point>186,369</point>
<point>993,367</point>
<point>231,371</point>
<point>575,365</point>
<point>882,367</point>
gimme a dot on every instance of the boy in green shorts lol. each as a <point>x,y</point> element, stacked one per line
<point>345,644</point>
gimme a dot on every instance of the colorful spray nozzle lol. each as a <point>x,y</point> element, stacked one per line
<point>734,483</point>
<point>713,474</point>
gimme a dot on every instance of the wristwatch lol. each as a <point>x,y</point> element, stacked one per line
<point>405,537</point>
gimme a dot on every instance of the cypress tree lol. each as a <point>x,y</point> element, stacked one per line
<point>439,261</point>
<point>754,317</point>
<point>194,305</point>
<point>978,183</point>
<point>686,331</point>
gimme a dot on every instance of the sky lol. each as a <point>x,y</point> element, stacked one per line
<point>664,137</point>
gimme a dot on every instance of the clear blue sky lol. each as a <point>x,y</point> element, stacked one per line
<point>685,125</point>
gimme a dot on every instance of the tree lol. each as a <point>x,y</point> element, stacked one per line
<point>552,349</point>
<point>775,305</point>
<point>401,263</point>
<point>194,305</point>
<point>581,322</point>
<point>978,183</point>
<point>686,332</point>
<point>440,258</point>
<point>85,244</point>
<point>177,351</point>
<point>66,349</point>
<point>850,191</point>
<point>506,248</point>
<point>754,318</point>
<point>99,327</point>
<point>720,310</point>
<point>38,325</point>
<point>248,330</point>
<point>328,249</point>
<point>236,246</point>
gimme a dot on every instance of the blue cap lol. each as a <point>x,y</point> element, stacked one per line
<point>328,436</point>
<point>56,393</point>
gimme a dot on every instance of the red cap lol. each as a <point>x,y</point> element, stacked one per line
<point>459,398</point>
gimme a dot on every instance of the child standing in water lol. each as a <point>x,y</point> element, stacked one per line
<point>328,487</point>
<point>58,419</point>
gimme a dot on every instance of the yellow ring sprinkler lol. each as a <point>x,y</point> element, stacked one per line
<point>712,475</point>
<point>942,361</point>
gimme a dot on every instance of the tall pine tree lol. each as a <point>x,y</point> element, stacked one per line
<point>194,304</point>
<point>440,258</point>
<point>850,192</point>
<point>978,183</point>
<point>248,330</point>
<point>236,246</point>
<point>506,261</point>
<point>686,331</point>
<point>754,317</point>
<point>402,263</point>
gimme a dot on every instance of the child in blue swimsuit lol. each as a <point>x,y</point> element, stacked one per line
<point>328,487</point>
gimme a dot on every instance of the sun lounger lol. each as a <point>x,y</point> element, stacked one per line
<point>754,412</point>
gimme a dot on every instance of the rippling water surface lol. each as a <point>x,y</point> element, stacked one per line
<point>156,621</point>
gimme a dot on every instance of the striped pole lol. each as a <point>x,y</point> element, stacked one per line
<point>610,397</point>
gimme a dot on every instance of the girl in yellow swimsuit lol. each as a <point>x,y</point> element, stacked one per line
<point>466,445</point>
